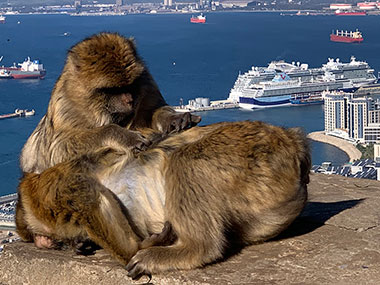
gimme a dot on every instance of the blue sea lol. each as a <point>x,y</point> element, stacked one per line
<point>187,60</point>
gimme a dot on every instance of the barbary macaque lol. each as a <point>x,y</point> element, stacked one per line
<point>182,203</point>
<point>105,92</point>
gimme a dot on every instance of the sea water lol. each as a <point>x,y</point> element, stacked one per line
<point>187,61</point>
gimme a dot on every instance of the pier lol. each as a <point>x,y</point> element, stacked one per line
<point>205,105</point>
<point>18,113</point>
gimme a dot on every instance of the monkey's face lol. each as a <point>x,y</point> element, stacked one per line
<point>118,100</point>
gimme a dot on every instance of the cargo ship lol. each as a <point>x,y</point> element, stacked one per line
<point>350,13</point>
<point>346,36</point>
<point>198,19</point>
<point>27,70</point>
<point>282,83</point>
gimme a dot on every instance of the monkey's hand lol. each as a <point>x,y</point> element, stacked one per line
<point>182,121</point>
<point>173,122</point>
<point>137,141</point>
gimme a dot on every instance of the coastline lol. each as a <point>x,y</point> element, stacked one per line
<point>352,152</point>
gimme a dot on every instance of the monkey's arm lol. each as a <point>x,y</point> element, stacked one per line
<point>76,144</point>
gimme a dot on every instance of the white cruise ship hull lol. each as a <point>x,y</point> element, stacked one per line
<point>264,102</point>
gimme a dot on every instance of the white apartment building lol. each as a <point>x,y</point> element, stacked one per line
<point>335,106</point>
<point>359,118</point>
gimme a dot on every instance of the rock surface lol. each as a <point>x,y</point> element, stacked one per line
<point>336,240</point>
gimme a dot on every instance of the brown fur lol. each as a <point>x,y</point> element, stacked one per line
<point>104,88</point>
<point>224,185</point>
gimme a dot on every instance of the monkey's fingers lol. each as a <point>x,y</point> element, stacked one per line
<point>86,247</point>
<point>195,119</point>
<point>183,121</point>
<point>135,271</point>
<point>43,241</point>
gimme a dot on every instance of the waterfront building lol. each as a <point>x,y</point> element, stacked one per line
<point>351,117</point>
<point>120,2</point>
<point>77,3</point>
<point>340,6</point>
<point>376,152</point>
<point>335,110</point>
<point>168,3</point>
<point>357,115</point>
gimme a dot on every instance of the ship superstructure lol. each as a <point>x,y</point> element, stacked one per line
<point>346,36</point>
<point>284,83</point>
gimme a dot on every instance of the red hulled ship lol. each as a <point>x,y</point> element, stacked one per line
<point>198,19</point>
<point>346,36</point>
<point>350,13</point>
<point>27,70</point>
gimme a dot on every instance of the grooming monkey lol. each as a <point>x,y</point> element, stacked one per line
<point>104,89</point>
<point>182,203</point>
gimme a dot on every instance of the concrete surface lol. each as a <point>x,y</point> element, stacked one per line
<point>336,240</point>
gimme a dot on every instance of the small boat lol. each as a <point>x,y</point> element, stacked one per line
<point>2,19</point>
<point>5,74</point>
<point>198,19</point>
<point>29,112</point>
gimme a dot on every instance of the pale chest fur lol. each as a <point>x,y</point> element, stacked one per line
<point>142,191</point>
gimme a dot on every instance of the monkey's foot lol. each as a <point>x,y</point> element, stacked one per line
<point>137,268</point>
<point>86,247</point>
<point>43,242</point>
<point>166,237</point>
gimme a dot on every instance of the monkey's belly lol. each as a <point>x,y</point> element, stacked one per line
<point>142,191</point>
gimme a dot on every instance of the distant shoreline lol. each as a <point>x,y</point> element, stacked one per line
<point>350,149</point>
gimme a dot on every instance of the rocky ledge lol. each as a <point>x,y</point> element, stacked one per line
<point>336,240</point>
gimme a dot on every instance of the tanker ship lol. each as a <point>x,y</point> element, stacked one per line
<point>27,70</point>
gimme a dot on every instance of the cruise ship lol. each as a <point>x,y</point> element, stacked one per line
<point>283,83</point>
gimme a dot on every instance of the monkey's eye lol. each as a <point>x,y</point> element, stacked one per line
<point>112,91</point>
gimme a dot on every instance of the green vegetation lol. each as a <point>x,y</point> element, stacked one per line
<point>366,150</point>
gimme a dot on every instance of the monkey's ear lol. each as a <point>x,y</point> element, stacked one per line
<point>73,60</point>
<point>132,43</point>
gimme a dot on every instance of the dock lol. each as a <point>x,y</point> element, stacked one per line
<point>197,106</point>
<point>18,113</point>
<point>373,89</point>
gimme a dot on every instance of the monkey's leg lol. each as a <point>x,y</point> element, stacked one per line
<point>184,254</point>
<point>200,240</point>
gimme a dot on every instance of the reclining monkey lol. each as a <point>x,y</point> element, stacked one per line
<point>246,180</point>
